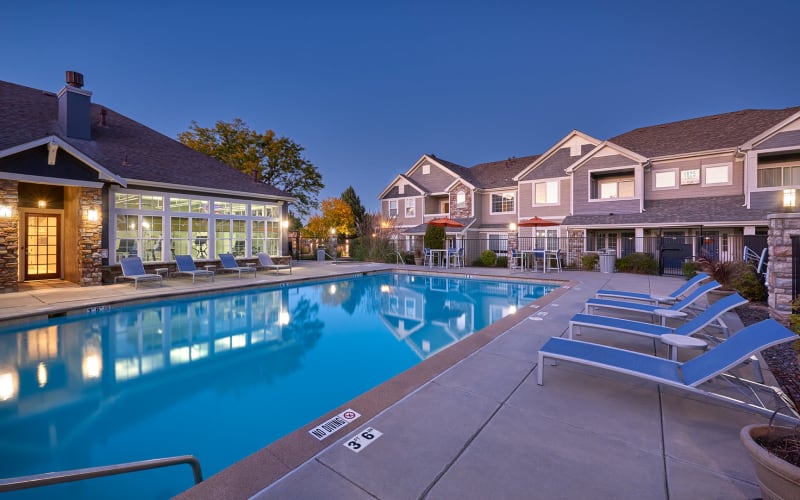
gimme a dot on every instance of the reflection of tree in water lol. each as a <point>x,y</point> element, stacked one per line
<point>304,327</point>
<point>349,295</point>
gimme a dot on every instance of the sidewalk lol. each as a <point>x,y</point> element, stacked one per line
<point>482,427</point>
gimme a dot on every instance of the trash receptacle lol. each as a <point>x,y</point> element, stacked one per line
<point>321,255</point>
<point>607,262</point>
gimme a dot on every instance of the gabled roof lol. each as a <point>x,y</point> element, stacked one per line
<point>707,133</point>
<point>553,162</point>
<point>685,211</point>
<point>392,190</point>
<point>597,150</point>
<point>122,146</point>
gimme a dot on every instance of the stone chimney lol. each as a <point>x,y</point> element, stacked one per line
<point>74,108</point>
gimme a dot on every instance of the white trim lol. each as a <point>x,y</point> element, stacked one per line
<point>104,173</point>
<point>57,181</point>
<point>769,132</point>
<point>728,166</point>
<point>676,177</point>
<point>610,145</point>
<point>201,190</point>
<point>547,154</point>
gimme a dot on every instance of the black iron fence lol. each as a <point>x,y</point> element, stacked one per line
<point>670,253</point>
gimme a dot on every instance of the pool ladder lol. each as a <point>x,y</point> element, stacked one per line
<point>50,478</point>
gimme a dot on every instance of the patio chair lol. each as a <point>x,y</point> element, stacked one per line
<point>265,261</point>
<point>653,309</point>
<point>710,315</point>
<point>671,298</point>
<point>229,264</point>
<point>133,269</point>
<point>515,262</point>
<point>185,265</point>
<point>427,257</point>
<point>687,375</point>
<point>455,257</point>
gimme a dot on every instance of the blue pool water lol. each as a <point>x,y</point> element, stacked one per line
<point>217,376</point>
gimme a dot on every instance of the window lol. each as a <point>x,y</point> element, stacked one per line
<point>444,207</point>
<point>546,193</point>
<point>611,186</point>
<point>426,169</point>
<point>716,174</point>
<point>779,176</point>
<point>411,208</point>
<point>498,243</point>
<point>665,179</point>
<point>392,208</point>
<point>502,203</point>
<point>401,188</point>
<point>461,199</point>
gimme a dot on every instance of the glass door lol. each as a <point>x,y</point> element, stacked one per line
<point>43,260</point>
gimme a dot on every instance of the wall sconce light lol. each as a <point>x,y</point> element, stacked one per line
<point>5,211</point>
<point>789,198</point>
<point>42,204</point>
<point>512,227</point>
<point>285,223</point>
<point>92,215</point>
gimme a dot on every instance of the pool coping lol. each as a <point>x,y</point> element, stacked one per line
<point>268,465</point>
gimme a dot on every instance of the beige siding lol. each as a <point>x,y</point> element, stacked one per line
<point>486,217</point>
<point>401,216</point>
<point>435,182</point>
<point>694,190</point>
<point>580,181</point>
<point>526,198</point>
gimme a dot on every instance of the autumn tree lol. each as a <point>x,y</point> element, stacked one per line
<point>350,197</point>
<point>277,161</point>
<point>336,215</point>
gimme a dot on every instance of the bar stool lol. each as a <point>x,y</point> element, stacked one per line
<point>549,256</point>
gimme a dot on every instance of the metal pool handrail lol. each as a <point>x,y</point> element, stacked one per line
<point>50,478</point>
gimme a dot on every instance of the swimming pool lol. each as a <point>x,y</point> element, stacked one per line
<point>218,376</point>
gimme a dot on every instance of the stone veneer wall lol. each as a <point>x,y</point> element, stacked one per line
<point>779,282</point>
<point>461,213</point>
<point>90,238</point>
<point>9,237</point>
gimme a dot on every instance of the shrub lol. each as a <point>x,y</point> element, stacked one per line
<point>637,263</point>
<point>690,269</point>
<point>589,261</point>
<point>502,262</point>
<point>434,236</point>
<point>488,258</point>
<point>749,284</point>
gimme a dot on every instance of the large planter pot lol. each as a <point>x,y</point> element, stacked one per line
<point>777,478</point>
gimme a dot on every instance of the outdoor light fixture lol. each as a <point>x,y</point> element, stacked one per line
<point>789,198</point>
<point>42,204</point>
<point>5,211</point>
<point>285,223</point>
<point>92,215</point>
<point>512,227</point>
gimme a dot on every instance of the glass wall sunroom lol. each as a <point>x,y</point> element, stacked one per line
<point>157,226</point>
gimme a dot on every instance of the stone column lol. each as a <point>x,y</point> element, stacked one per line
<point>779,282</point>
<point>9,237</point>
<point>90,237</point>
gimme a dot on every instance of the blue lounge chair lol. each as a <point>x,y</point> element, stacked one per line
<point>133,269</point>
<point>655,299</point>
<point>709,315</point>
<point>265,261</point>
<point>185,265</point>
<point>229,264</point>
<point>593,303</point>
<point>687,375</point>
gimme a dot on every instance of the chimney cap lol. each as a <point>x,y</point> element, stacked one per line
<point>75,79</point>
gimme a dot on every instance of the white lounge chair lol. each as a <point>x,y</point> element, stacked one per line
<point>265,261</point>
<point>229,264</point>
<point>655,299</point>
<point>185,265</point>
<point>594,303</point>
<point>687,375</point>
<point>133,269</point>
<point>710,315</point>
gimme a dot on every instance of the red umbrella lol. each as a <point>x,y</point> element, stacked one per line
<point>446,222</point>
<point>535,222</point>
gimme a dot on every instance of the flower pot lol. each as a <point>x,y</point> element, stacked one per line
<point>418,261</point>
<point>777,478</point>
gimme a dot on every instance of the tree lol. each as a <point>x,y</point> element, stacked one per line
<point>336,215</point>
<point>277,161</point>
<point>350,197</point>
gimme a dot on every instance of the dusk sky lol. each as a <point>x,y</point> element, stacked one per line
<point>368,87</point>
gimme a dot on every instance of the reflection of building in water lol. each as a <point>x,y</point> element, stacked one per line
<point>430,313</point>
<point>55,380</point>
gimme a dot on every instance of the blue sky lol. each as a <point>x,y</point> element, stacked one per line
<point>368,87</point>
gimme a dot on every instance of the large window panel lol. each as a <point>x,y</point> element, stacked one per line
<point>152,238</point>
<point>546,193</point>
<point>503,203</point>
<point>716,175</point>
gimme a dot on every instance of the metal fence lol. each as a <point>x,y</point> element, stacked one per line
<point>670,252</point>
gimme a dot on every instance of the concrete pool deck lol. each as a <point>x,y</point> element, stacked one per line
<point>471,422</point>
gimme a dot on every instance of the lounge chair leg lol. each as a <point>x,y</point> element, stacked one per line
<point>541,367</point>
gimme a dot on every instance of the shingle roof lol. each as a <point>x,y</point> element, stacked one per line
<point>692,211</point>
<point>123,146</point>
<point>501,173</point>
<point>707,133</point>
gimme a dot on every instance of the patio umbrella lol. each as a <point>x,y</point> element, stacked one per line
<point>535,222</point>
<point>446,222</point>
